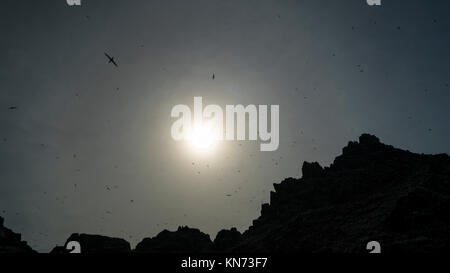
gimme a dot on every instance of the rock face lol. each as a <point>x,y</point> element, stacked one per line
<point>371,192</point>
<point>185,239</point>
<point>226,239</point>
<point>11,242</point>
<point>96,244</point>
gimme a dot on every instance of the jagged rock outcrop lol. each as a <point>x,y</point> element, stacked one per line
<point>11,242</point>
<point>310,170</point>
<point>371,192</point>
<point>96,244</point>
<point>185,239</point>
<point>226,239</point>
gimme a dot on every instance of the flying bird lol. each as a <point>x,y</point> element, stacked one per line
<point>111,60</point>
<point>214,76</point>
<point>13,108</point>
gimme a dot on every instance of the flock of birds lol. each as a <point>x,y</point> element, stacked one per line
<point>111,60</point>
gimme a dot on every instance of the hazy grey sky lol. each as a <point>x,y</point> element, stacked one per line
<point>336,68</point>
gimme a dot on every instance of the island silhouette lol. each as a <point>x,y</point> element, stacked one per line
<point>372,192</point>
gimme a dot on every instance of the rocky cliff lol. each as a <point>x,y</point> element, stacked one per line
<point>11,242</point>
<point>185,240</point>
<point>371,192</point>
<point>92,244</point>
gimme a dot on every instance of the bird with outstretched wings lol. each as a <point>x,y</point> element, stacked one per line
<point>111,60</point>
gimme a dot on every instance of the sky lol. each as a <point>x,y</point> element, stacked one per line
<point>89,149</point>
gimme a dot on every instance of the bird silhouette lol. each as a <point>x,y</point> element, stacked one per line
<point>111,60</point>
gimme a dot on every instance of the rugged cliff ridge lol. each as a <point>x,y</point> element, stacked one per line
<point>183,240</point>
<point>92,244</point>
<point>372,192</point>
<point>11,242</point>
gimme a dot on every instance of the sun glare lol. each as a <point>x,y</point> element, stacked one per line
<point>202,138</point>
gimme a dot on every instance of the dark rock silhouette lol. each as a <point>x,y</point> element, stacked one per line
<point>371,192</point>
<point>59,250</point>
<point>96,244</point>
<point>11,242</point>
<point>226,239</point>
<point>311,169</point>
<point>185,239</point>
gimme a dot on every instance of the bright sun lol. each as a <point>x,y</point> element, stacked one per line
<point>202,138</point>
